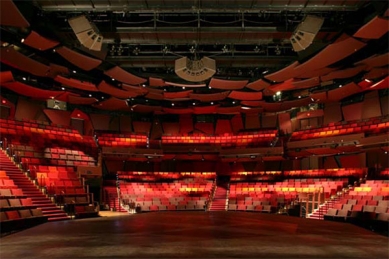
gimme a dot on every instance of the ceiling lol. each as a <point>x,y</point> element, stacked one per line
<point>249,40</point>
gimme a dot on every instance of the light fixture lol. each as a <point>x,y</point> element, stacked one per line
<point>119,51</point>
<point>192,49</point>
<point>165,49</point>
<point>172,104</point>
<point>63,88</point>
<point>136,51</point>
<point>225,49</point>
<point>299,96</point>
<point>278,93</point>
<point>257,49</point>
<point>74,71</point>
<point>183,88</point>
<point>22,40</point>
<point>277,50</point>
<point>90,95</point>
<point>24,79</point>
<point>340,86</point>
<point>211,103</point>
<point>113,79</point>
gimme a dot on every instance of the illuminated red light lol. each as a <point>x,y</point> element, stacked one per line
<point>78,115</point>
<point>3,101</point>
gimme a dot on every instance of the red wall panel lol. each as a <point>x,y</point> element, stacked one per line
<point>284,122</point>
<point>252,121</point>
<point>384,105</point>
<point>353,161</point>
<point>125,124</point>
<point>352,111</point>
<point>114,124</point>
<point>205,127</point>
<point>329,162</point>
<point>237,123</point>
<point>371,106</point>
<point>186,123</point>
<point>223,126</point>
<point>269,121</point>
<point>100,121</point>
<point>156,130</point>
<point>28,109</point>
<point>332,113</point>
<point>141,127</point>
<point>58,117</point>
<point>172,128</point>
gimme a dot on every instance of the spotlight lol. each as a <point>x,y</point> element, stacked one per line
<point>256,49</point>
<point>136,51</point>
<point>165,49</point>
<point>277,50</point>
<point>225,49</point>
<point>120,50</point>
<point>22,40</point>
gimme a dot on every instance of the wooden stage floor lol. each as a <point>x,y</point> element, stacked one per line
<point>195,235</point>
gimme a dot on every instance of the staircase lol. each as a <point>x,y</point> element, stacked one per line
<point>29,189</point>
<point>112,199</point>
<point>219,202</point>
<point>323,208</point>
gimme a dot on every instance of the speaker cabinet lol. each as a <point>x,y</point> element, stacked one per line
<point>56,105</point>
<point>306,32</point>
<point>195,70</point>
<point>86,33</point>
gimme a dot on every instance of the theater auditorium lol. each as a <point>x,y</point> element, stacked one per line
<point>194,129</point>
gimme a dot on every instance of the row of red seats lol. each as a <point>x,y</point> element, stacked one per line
<point>122,140</point>
<point>372,125</point>
<point>336,172</point>
<point>40,136</point>
<point>12,193</point>
<point>184,194</point>
<point>43,124</point>
<point>7,184</point>
<point>257,208</point>
<point>17,219</point>
<point>11,203</point>
<point>226,139</point>
<point>165,175</point>
<point>171,207</point>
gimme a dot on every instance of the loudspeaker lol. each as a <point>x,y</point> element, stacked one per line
<point>306,32</point>
<point>195,70</point>
<point>86,32</point>
<point>55,104</point>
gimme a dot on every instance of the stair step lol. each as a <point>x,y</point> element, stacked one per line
<point>58,218</point>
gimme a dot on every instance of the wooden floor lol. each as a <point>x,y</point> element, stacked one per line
<point>195,235</point>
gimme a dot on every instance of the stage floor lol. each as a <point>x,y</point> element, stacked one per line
<point>195,235</point>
